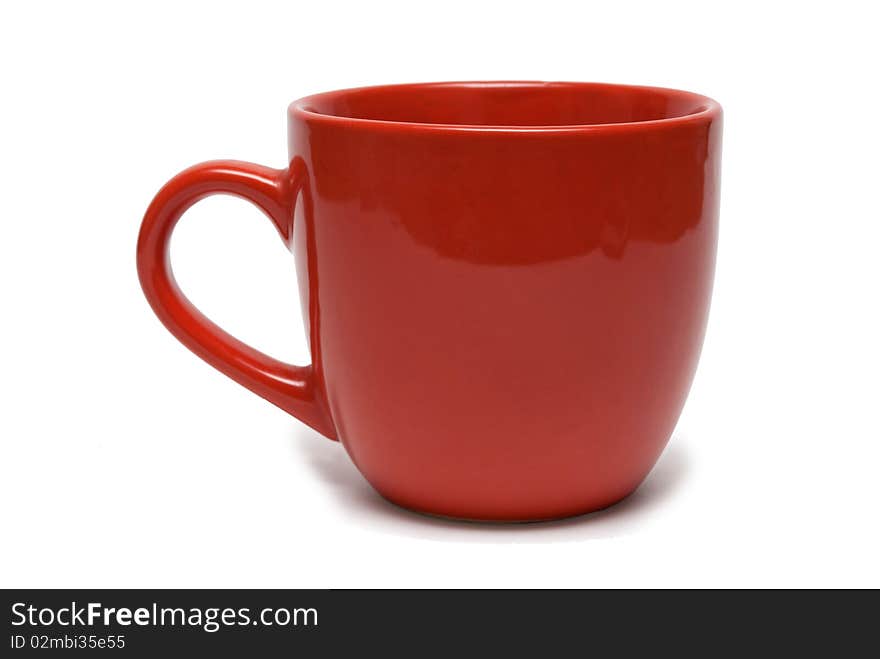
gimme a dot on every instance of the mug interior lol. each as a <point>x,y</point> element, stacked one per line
<point>507,104</point>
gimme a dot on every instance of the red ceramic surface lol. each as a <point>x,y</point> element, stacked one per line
<point>505,285</point>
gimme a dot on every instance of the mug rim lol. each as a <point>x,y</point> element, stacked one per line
<point>706,109</point>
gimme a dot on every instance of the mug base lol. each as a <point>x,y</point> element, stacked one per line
<point>513,519</point>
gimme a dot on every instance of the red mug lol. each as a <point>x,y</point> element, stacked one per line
<point>505,284</point>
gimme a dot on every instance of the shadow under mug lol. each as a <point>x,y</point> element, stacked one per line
<point>505,284</point>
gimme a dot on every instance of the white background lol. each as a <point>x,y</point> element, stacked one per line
<point>128,462</point>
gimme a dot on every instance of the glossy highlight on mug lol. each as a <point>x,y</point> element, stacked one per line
<point>505,285</point>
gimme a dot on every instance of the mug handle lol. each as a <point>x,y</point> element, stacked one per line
<point>292,388</point>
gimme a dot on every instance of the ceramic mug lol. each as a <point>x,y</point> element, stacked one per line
<point>505,284</point>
